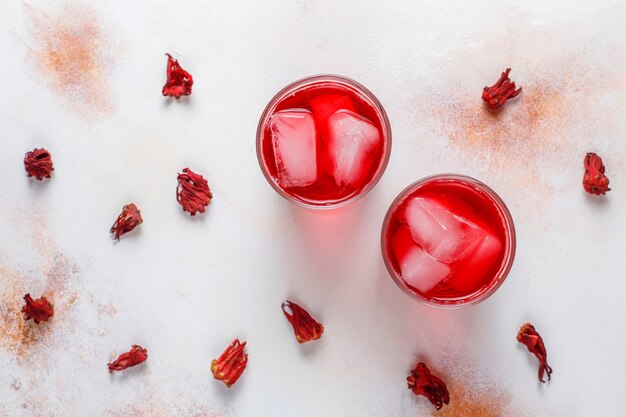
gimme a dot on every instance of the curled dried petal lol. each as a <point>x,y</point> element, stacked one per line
<point>305,327</point>
<point>231,364</point>
<point>594,180</point>
<point>38,163</point>
<point>422,382</point>
<point>193,192</point>
<point>134,356</point>
<point>498,94</point>
<point>529,337</point>
<point>126,221</point>
<point>38,310</point>
<point>179,81</point>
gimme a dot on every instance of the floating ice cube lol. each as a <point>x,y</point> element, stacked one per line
<point>295,146</point>
<point>481,259</point>
<point>417,268</point>
<point>352,142</point>
<point>443,234</point>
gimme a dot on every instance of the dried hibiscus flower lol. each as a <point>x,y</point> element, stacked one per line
<point>500,92</point>
<point>529,337</point>
<point>39,309</point>
<point>38,163</point>
<point>594,181</point>
<point>229,367</point>
<point>305,327</point>
<point>126,221</point>
<point>422,382</point>
<point>193,192</point>
<point>179,81</point>
<point>134,356</point>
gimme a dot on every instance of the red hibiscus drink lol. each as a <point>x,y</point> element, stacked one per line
<point>448,240</point>
<point>324,141</point>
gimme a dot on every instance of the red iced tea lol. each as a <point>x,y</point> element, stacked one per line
<point>448,240</point>
<point>323,141</point>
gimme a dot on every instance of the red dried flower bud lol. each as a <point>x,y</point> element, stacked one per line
<point>229,367</point>
<point>422,382</point>
<point>529,337</point>
<point>305,327</point>
<point>594,181</point>
<point>179,81</point>
<point>39,310</point>
<point>500,92</point>
<point>38,163</point>
<point>193,192</point>
<point>126,221</point>
<point>134,356</point>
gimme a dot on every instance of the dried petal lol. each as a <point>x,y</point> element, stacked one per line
<point>39,310</point>
<point>529,337</point>
<point>193,192</point>
<point>496,95</point>
<point>38,163</point>
<point>305,327</point>
<point>229,367</point>
<point>594,181</point>
<point>133,357</point>
<point>179,81</point>
<point>422,382</point>
<point>126,221</point>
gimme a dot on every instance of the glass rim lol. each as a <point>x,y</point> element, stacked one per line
<point>331,78</point>
<point>510,243</point>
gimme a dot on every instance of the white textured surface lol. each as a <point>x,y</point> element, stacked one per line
<point>184,288</point>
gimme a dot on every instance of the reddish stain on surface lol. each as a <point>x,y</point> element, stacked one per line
<point>474,394</point>
<point>466,403</point>
<point>107,310</point>
<point>524,130</point>
<point>71,52</point>
<point>149,405</point>
<point>17,335</point>
<point>50,277</point>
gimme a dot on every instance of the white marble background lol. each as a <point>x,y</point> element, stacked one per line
<point>84,79</point>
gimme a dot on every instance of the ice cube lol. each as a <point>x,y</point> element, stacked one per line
<point>481,259</point>
<point>443,234</point>
<point>417,268</point>
<point>352,142</point>
<point>295,147</point>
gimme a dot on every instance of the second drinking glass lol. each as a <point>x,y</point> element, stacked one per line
<point>323,141</point>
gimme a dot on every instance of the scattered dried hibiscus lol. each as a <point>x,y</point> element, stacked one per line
<point>38,163</point>
<point>422,382</point>
<point>305,327</point>
<point>594,181</point>
<point>38,310</point>
<point>529,337</point>
<point>134,356</point>
<point>498,94</point>
<point>126,221</point>
<point>193,192</point>
<point>229,367</point>
<point>179,81</point>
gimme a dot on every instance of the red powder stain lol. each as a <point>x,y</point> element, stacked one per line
<point>523,131</point>
<point>542,128</point>
<point>151,405</point>
<point>17,335</point>
<point>474,394</point>
<point>70,50</point>
<point>107,310</point>
<point>466,403</point>
<point>51,279</point>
